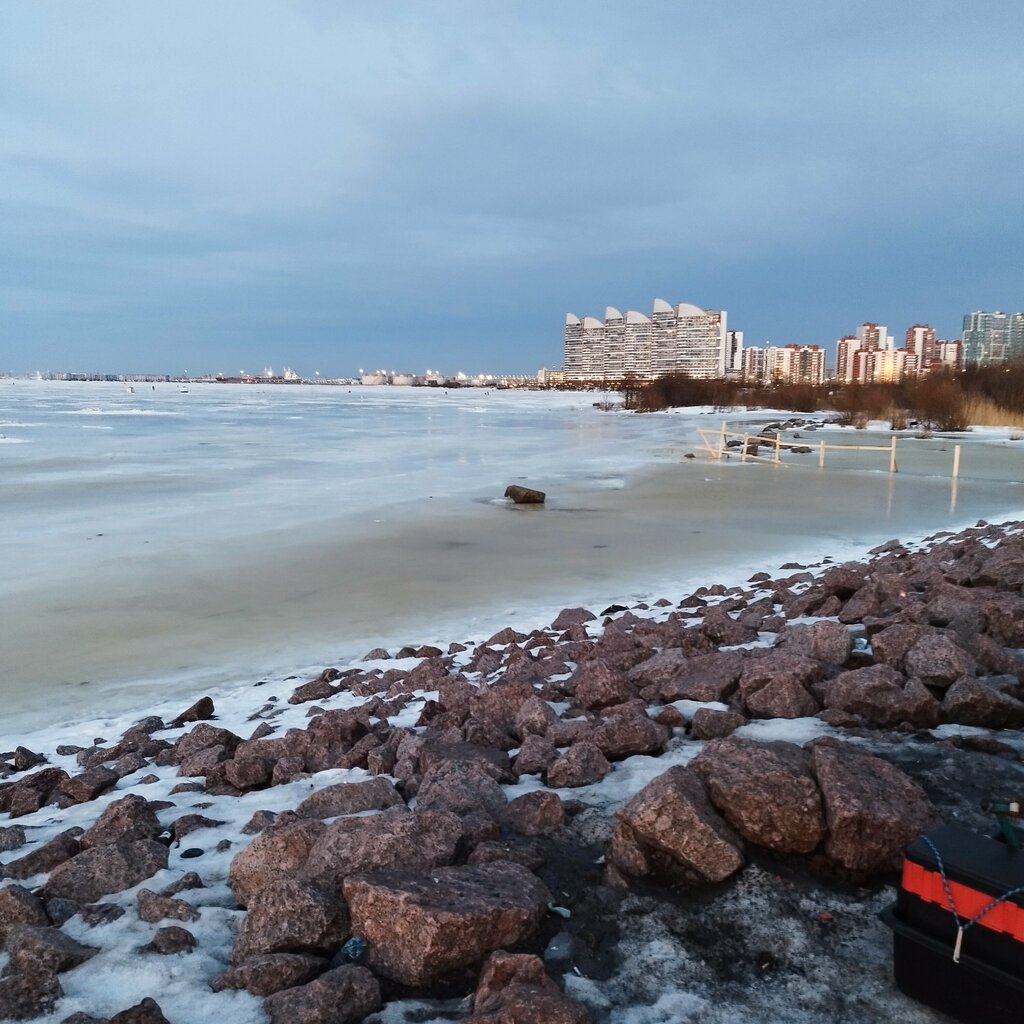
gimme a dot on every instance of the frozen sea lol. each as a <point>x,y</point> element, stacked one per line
<point>156,545</point>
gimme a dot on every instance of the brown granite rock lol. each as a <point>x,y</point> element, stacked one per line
<point>460,788</point>
<point>673,816</point>
<point>292,917</point>
<point>721,628</point>
<point>12,837</point>
<point>765,791</point>
<point>782,672</point>
<point>375,794</point>
<point>879,694</point>
<point>422,927</point>
<point>124,821</point>
<point>31,792</point>
<point>572,617</point>
<point>46,947</point>
<point>203,737</point>
<point>937,660</point>
<point>582,764</point>
<point>631,732</point>
<point>825,641</point>
<point>202,710</point>
<point>974,702</point>
<point>534,717</point>
<point>705,677</point>
<point>890,645</point>
<point>189,823</point>
<point>277,853</point>
<point>146,1012</point>
<point>245,773</point>
<point>514,988</point>
<point>270,972</point>
<point>535,814</point>
<point>27,993</point>
<point>343,996</point>
<point>782,698</point>
<point>19,906</point>
<point>169,940</point>
<point>153,907</point>
<point>87,785</point>
<point>416,841</point>
<point>872,809</point>
<point>535,756</point>
<point>712,724</point>
<point>595,684</point>
<point>106,869</point>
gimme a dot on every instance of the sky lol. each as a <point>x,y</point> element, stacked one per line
<point>336,185</point>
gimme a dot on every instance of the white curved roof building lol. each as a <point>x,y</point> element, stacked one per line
<point>674,339</point>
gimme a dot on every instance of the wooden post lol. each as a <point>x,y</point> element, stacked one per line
<point>743,456</point>
<point>778,447</point>
<point>821,456</point>
<point>892,455</point>
<point>721,443</point>
<point>956,462</point>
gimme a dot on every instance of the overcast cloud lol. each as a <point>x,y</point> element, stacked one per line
<point>336,185</point>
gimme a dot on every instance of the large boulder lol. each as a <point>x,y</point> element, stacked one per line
<point>292,917</point>
<point>374,794</point>
<point>461,788</point>
<point>596,684</point>
<point>582,764</point>
<point>630,731</point>
<point>270,972</point>
<point>765,791</point>
<point>124,821</point>
<point>60,848</point>
<point>514,988</point>
<point>824,641</point>
<point>423,927</point>
<point>87,785</point>
<point>872,809</point>
<point>277,853</point>
<point>524,495</point>
<point>881,695</point>
<point>784,678</point>
<point>46,947</point>
<point>416,841</point>
<point>106,869</point>
<point>673,676</point>
<point>975,702</point>
<point>19,906</point>
<point>937,660</point>
<point>672,819</point>
<point>343,996</point>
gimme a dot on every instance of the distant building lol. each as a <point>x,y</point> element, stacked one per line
<point>784,364</point>
<point>673,339</point>
<point>734,352</point>
<point>854,359</point>
<point>993,337</point>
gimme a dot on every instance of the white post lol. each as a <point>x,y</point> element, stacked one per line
<point>743,456</point>
<point>821,456</point>
<point>956,462</point>
<point>778,447</point>
<point>892,456</point>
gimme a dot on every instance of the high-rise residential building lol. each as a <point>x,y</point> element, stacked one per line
<point>852,350</point>
<point>922,344</point>
<point>674,339</point>
<point>785,364</point>
<point>734,352</point>
<point>993,337</point>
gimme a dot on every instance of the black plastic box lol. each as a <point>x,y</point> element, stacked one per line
<point>987,985</point>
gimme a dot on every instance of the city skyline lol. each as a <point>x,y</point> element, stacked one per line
<point>335,186</point>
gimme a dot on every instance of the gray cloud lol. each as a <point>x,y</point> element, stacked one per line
<point>291,182</point>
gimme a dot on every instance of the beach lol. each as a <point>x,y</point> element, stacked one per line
<point>138,581</point>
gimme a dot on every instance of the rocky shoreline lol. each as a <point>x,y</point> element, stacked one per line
<point>689,810</point>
